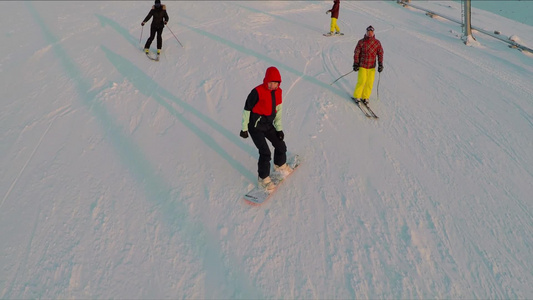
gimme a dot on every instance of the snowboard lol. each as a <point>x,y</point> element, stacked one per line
<point>329,34</point>
<point>258,196</point>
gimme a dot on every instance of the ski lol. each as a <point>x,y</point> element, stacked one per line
<point>371,113</point>
<point>358,103</point>
<point>156,58</point>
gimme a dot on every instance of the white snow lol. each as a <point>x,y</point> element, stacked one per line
<point>123,177</point>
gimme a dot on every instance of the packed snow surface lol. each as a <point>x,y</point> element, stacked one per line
<point>123,177</point>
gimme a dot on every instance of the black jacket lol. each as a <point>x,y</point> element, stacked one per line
<point>160,16</point>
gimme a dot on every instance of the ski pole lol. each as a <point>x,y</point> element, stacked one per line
<point>340,77</point>
<point>175,36</point>
<point>142,27</point>
<point>377,90</point>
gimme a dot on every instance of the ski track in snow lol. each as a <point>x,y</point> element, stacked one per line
<point>29,159</point>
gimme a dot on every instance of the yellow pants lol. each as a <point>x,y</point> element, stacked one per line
<point>365,82</point>
<point>334,26</point>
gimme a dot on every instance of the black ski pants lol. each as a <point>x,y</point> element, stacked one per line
<point>260,137</point>
<point>153,31</point>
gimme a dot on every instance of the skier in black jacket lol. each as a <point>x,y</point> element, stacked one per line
<point>160,19</point>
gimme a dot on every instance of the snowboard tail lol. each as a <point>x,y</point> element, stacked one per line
<point>258,196</point>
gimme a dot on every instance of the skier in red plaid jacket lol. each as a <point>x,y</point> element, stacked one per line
<point>365,63</point>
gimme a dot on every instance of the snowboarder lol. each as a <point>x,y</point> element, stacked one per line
<point>262,118</point>
<point>160,19</point>
<point>364,61</point>
<point>334,28</point>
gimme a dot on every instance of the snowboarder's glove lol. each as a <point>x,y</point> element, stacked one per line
<point>355,67</point>
<point>142,24</point>
<point>380,68</point>
<point>281,135</point>
<point>327,13</point>
<point>244,134</point>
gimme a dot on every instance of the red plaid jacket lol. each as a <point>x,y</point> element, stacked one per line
<point>366,51</point>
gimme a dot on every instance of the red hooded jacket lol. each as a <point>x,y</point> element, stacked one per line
<point>262,102</point>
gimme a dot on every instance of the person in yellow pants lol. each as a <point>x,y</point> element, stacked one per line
<point>334,28</point>
<point>364,62</point>
<point>365,83</point>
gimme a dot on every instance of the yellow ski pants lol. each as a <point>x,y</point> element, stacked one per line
<point>365,83</point>
<point>334,26</point>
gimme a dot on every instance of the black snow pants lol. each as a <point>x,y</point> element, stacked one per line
<point>153,31</point>
<point>260,137</point>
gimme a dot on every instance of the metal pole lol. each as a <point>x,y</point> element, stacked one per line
<point>489,33</point>
<point>379,79</point>
<point>340,77</point>
<point>175,36</point>
<point>468,24</point>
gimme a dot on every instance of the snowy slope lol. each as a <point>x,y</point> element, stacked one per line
<point>123,177</point>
